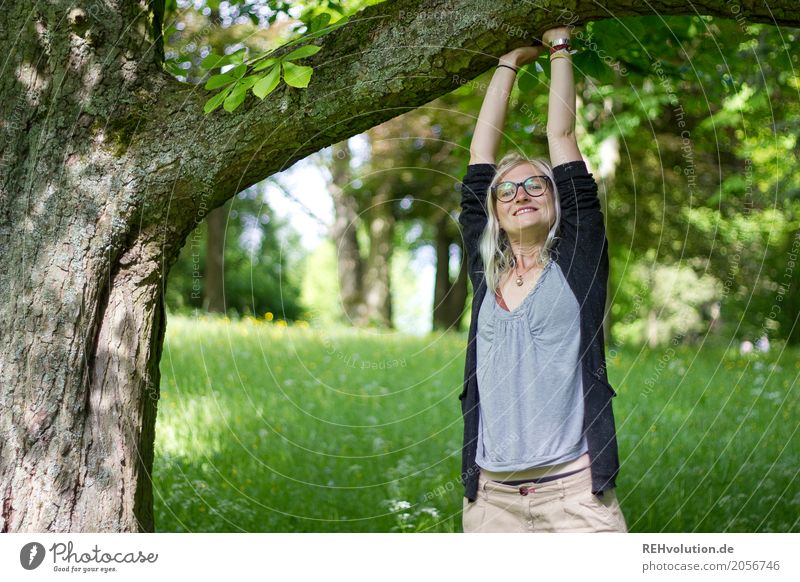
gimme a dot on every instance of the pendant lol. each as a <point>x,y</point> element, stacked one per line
<point>519,281</point>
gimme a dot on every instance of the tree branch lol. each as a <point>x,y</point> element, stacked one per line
<point>390,58</point>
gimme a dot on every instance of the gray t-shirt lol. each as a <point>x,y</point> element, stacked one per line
<point>529,378</point>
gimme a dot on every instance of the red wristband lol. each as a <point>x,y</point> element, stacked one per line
<point>559,47</point>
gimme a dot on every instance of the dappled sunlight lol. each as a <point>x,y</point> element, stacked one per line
<point>191,426</point>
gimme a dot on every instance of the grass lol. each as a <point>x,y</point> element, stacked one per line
<point>267,428</point>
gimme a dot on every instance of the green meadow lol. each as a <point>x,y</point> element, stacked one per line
<point>264,427</point>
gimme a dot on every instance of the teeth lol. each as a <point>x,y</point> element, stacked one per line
<point>524,210</point>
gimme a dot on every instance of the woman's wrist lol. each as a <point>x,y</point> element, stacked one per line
<point>508,61</point>
<point>554,34</point>
<point>506,66</point>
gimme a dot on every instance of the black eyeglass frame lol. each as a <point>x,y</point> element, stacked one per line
<point>547,180</point>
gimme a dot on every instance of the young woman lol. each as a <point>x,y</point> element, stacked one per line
<point>540,449</point>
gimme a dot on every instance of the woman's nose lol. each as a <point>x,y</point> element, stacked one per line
<point>524,191</point>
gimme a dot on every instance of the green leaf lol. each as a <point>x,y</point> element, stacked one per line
<point>212,61</point>
<point>215,101</point>
<point>238,93</point>
<point>322,29</point>
<point>237,71</point>
<point>319,21</point>
<point>174,69</point>
<point>249,81</point>
<point>237,56</point>
<point>218,81</point>
<point>545,64</point>
<point>236,97</point>
<point>268,82</point>
<point>528,78</point>
<point>590,63</point>
<point>265,63</point>
<point>302,52</point>
<point>296,75</point>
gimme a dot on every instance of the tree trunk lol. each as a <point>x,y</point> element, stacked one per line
<point>345,236</point>
<point>214,277</point>
<point>377,278</point>
<point>79,427</point>
<point>83,264</point>
<point>449,297</point>
<point>107,163</point>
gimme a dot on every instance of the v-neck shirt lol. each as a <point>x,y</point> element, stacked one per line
<point>501,300</point>
<point>529,378</point>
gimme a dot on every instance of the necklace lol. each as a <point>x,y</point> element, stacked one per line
<point>519,277</point>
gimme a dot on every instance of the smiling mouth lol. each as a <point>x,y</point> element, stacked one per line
<point>524,211</point>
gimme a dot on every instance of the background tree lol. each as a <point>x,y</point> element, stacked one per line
<point>259,265</point>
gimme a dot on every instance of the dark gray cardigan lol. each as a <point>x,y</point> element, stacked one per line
<point>581,250</point>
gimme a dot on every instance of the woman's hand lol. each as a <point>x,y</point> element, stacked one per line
<point>521,56</point>
<point>555,33</point>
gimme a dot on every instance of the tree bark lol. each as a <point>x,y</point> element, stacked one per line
<point>377,278</point>
<point>108,164</point>
<point>214,277</point>
<point>344,233</point>
<point>449,296</point>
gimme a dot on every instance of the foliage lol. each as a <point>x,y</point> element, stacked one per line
<point>244,68</point>
<point>260,276</point>
<point>320,286</point>
<point>676,295</point>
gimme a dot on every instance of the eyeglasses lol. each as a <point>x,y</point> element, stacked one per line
<point>534,185</point>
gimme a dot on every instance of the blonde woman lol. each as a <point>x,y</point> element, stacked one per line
<point>540,448</point>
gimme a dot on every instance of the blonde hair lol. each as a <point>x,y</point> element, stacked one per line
<point>494,245</point>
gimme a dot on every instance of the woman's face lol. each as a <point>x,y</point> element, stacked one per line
<point>533,215</point>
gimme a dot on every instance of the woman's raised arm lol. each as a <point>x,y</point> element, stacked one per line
<point>561,104</point>
<point>492,118</point>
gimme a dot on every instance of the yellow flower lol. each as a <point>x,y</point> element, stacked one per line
<point>268,316</point>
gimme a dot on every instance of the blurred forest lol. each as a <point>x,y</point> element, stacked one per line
<point>689,125</point>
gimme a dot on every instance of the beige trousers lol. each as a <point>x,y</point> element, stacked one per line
<point>562,505</point>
